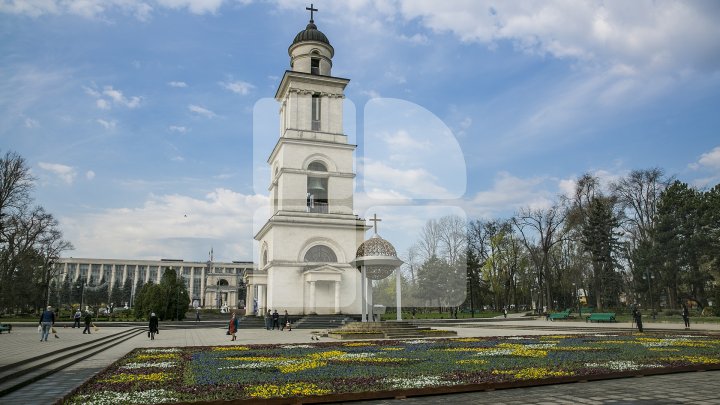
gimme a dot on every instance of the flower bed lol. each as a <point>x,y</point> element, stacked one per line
<point>386,368</point>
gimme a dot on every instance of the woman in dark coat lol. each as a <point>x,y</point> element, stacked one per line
<point>153,326</point>
<point>233,326</point>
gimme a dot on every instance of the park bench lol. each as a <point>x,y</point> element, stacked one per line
<point>5,327</point>
<point>601,317</point>
<point>560,315</point>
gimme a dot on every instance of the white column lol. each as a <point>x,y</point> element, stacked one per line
<point>363,293</point>
<point>398,304</point>
<point>312,297</point>
<point>202,294</point>
<point>261,299</point>
<point>337,297</point>
<point>370,299</point>
<point>249,296</point>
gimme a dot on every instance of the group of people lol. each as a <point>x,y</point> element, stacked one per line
<point>272,321</point>
<point>47,323</point>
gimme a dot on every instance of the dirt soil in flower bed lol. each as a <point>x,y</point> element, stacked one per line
<point>342,371</point>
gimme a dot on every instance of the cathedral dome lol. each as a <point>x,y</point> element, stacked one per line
<point>310,33</point>
<point>378,256</point>
<point>376,246</point>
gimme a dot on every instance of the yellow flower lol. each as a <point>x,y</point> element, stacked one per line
<point>467,340</point>
<point>390,349</point>
<point>229,348</point>
<point>695,359</point>
<point>286,390</point>
<point>533,373</point>
<point>358,344</point>
<point>327,355</point>
<point>121,378</point>
<point>293,367</point>
<point>472,361</point>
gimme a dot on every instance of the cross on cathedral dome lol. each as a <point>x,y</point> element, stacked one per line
<point>311,33</point>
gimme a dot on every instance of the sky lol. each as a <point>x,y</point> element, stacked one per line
<point>147,123</point>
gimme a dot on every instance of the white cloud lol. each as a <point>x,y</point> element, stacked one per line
<point>709,165</point>
<point>177,84</point>
<point>31,123</point>
<point>238,87</point>
<point>90,175</point>
<point>169,226</point>
<point>709,160</point>
<point>402,140</point>
<point>98,9</point>
<point>384,182</point>
<point>118,97</point>
<point>178,128</point>
<point>508,194</point>
<point>107,124</point>
<point>644,34</point>
<point>65,173</point>
<point>110,96</point>
<point>201,111</point>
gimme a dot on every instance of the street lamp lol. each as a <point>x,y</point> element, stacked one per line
<point>650,277</point>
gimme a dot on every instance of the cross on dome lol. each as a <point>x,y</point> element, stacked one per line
<point>375,220</point>
<point>311,9</point>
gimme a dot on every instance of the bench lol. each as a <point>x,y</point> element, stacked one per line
<point>560,315</point>
<point>5,327</point>
<point>601,317</point>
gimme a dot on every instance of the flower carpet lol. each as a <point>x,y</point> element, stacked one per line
<point>341,370</point>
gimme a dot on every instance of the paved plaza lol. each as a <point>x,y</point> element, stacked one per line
<point>695,387</point>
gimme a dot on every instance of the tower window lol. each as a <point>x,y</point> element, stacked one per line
<point>321,254</point>
<point>315,66</point>
<point>317,166</point>
<point>316,112</point>
<point>317,195</point>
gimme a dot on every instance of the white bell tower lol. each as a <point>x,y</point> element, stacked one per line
<point>307,243</point>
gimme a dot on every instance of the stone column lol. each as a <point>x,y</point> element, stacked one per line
<point>312,297</point>
<point>337,297</point>
<point>249,297</point>
<point>261,299</point>
<point>363,293</point>
<point>398,303</point>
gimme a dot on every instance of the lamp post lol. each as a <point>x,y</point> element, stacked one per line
<point>650,277</point>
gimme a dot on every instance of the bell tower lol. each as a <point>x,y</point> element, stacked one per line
<point>307,243</point>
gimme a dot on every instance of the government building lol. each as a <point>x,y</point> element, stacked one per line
<point>210,284</point>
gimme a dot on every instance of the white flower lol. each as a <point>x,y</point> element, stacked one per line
<point>172,350</point>
<point>621,365</point>
<point>162,364</point>
<point>138,397</point>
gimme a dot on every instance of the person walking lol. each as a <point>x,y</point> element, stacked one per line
<point>197,314</point>
<point>286,322</point>
<point>686,316</point>
<point>637,317</point>
<point>268,319</point>
<point>47,320</point>
<point>88,322</point>
<point>275,320</point>
<point>76,318</point>
<point>233,326</point>
<point>153,325</point>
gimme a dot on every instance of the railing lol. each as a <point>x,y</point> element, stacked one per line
<point>318,208</point>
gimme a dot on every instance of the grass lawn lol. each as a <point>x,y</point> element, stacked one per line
<point>353,370</point>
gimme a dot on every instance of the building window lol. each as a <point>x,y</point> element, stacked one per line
<point>317,166</point>
<point>316,112</point>
<point>321,254</point>
<point>317,195</point>
<point>315,66</point>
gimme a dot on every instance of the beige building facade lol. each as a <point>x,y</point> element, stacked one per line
<point>210,284</point>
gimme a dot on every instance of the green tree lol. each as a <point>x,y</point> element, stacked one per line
<point>126,292</point>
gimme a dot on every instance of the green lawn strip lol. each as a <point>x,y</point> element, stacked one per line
<point>346,370</point>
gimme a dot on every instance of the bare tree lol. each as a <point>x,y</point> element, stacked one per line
<point>638,195</point>
<point>452,235</point>
<point>429,240</point>
<point>541,229</point>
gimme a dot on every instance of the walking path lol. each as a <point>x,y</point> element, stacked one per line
<point>702,387</point>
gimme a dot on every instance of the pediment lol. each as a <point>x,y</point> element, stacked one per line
<point>323,272</point>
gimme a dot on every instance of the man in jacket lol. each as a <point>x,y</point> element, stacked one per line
<point>88,322</point>
<point>47,320</point>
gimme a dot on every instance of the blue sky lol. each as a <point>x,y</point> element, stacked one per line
<point>137,116</point>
